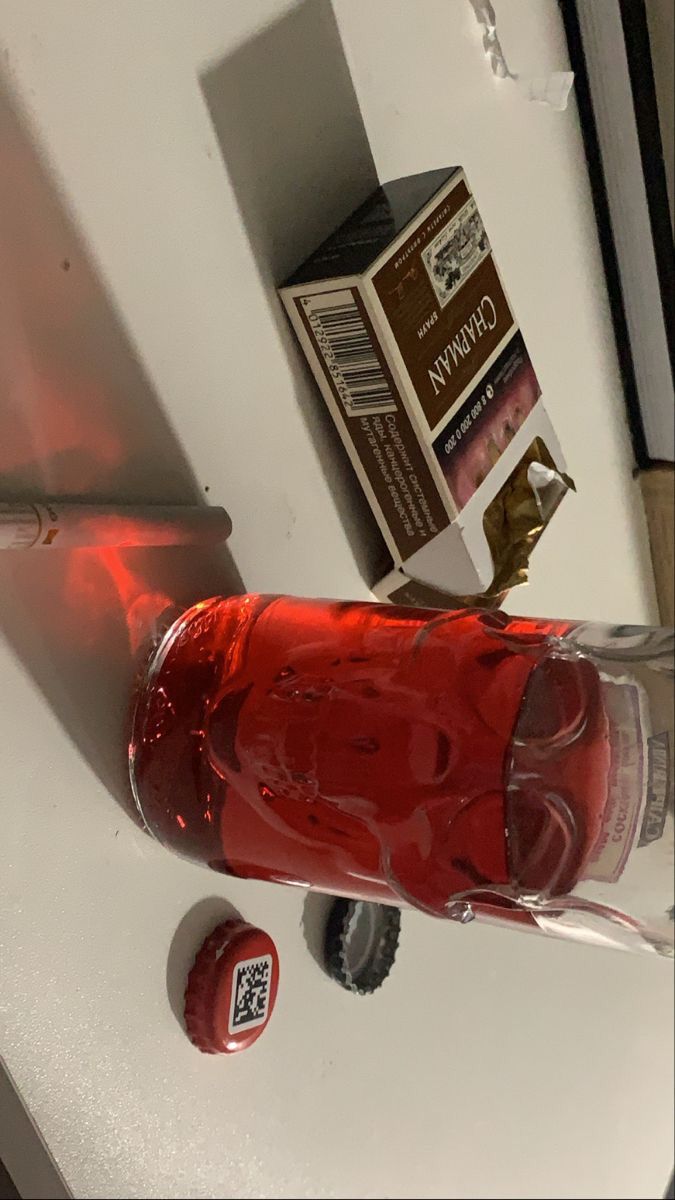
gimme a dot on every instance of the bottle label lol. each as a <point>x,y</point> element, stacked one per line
<point>658,789</point>
<point>628,784</point>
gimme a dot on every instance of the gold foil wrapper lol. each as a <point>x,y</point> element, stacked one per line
<point>516,518</point>
<point>513,523</point>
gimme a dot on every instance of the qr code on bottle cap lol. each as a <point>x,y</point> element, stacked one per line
<point>250,1001</point>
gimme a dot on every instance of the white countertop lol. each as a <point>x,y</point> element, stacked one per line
<point>172,160</point>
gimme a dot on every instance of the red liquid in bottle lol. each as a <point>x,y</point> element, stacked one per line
<point>364,749</point>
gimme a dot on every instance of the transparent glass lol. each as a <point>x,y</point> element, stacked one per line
<point>466,763</point>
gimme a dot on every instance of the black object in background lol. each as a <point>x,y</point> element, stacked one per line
<point>614,84</point>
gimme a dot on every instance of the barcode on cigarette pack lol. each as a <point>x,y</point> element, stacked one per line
<point>347,348</point>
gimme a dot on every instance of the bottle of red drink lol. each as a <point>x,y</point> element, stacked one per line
<point>465,763</point>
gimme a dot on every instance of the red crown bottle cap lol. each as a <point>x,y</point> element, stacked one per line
<point>231,988</point>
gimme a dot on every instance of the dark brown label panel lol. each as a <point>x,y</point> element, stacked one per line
<point>444,302</point>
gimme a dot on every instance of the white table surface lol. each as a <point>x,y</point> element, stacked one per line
<point>162,164</point>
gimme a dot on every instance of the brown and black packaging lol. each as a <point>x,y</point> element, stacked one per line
<point>407,327</point>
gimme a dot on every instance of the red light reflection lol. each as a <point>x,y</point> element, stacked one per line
<point>100,581</point>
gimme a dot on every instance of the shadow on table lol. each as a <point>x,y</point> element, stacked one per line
<point>79,419</point>
<point>286,115</point>
<point>194,928</point>
<point>315,912</point>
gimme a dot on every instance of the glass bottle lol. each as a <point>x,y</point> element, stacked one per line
<point>466,763</point>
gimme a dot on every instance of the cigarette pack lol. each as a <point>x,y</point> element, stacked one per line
<point>406,324</point>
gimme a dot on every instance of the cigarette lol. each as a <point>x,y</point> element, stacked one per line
<point>53,524</point>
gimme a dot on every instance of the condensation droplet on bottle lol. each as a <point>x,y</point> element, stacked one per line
<point>460,911</point>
